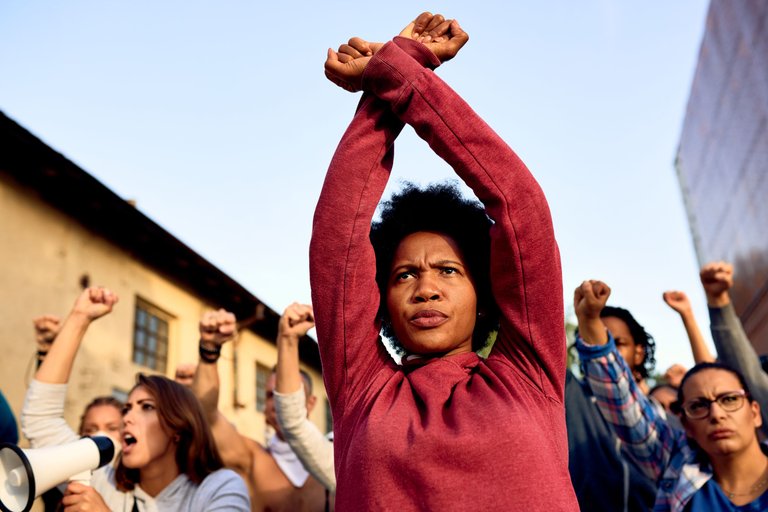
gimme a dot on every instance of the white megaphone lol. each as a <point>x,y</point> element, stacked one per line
<point>26,474</point>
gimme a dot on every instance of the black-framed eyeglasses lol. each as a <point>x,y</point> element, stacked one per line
<point>730,401</point>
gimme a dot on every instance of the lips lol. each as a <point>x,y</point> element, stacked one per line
<point>428,318</point>
<point>721,433</point>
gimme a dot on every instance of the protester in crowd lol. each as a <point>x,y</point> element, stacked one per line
<point>665,395</point>
<point>717,463</point>
<point>604,476</point>
<point>636,346</point>
<point>731,342</point>
<point>104,414</point>
<point>313,449</point>
<point>276,478</point>
<point>168,461</point>
<point>679,302</point>
<point>423,435</point>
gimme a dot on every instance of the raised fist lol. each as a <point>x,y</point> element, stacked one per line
<point>443,37</point>
<point>678,301</point>
<point>46,329</point>
<point>95,302</point>
<point>217,327</point>
<point>297,319</point>
<point>185,374</point>
<point>717,279</point>
<point>674,375</point>
<point>589,298</point>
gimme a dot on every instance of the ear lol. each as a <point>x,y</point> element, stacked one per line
<point>756,416</point>
<point>686,425</point>
<point>639,355</point>
<point>311,401</point>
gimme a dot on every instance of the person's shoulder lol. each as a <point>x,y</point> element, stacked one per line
<point>222,477</point>
<point>221,490</point>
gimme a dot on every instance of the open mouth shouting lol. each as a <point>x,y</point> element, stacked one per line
<point>128,442</point>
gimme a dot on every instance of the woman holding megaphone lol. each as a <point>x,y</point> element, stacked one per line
<point>169,460</point>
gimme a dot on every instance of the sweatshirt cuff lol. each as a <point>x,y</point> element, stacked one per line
<point>394,66</point>
<point>587,351</point>
<point>418,52</point>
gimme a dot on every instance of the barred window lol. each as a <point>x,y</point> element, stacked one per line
<point>262,376</point>
<point>150,336</point>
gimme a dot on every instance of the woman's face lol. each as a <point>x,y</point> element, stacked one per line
<point>720,432</point>
<point>106,419</point>
<point>431,298</point>
<point>633,353</point>
<point>145,442</point>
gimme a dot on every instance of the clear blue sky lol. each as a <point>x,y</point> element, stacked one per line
<point>217,119</point>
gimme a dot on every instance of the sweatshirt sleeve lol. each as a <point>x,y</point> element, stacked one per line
<point>313,449</point>
<point>42,416</point>
<point>525,262</point>
<point>734,349</point>
<point>345,296</point>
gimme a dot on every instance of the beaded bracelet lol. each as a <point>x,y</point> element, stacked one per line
<point>208,355</point>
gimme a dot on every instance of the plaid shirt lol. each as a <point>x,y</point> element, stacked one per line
<point>662,452</point>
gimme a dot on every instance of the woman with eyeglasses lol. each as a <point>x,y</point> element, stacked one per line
<point>717,463</point>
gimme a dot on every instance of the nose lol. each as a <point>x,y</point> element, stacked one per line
<point>716,411</point>
<point>427,289</point>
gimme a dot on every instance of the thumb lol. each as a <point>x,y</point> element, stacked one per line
<point>408,30</point>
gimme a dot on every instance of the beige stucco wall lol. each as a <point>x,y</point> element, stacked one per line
<point>43,255</point>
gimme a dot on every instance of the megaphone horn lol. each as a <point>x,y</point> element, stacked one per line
<point>26,474</point>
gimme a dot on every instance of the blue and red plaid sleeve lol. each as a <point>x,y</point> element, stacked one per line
<point>648,438</point>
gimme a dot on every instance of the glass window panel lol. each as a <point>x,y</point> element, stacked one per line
<point>152,344</point>
<point>141,317</point>
<point>139,339</point>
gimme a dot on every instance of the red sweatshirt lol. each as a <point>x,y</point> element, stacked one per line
<point>457,433</point>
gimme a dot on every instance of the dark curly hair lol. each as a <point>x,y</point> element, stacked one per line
<point>442,209</point>
<point>639,334</point>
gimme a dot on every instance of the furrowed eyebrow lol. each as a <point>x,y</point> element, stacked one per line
<point>449,262</point>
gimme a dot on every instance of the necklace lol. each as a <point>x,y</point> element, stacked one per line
<point>755,487</point>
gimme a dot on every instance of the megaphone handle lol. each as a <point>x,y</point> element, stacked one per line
<point>82,478</point>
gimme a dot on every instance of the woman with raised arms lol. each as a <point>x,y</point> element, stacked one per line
<point>446,430</point>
